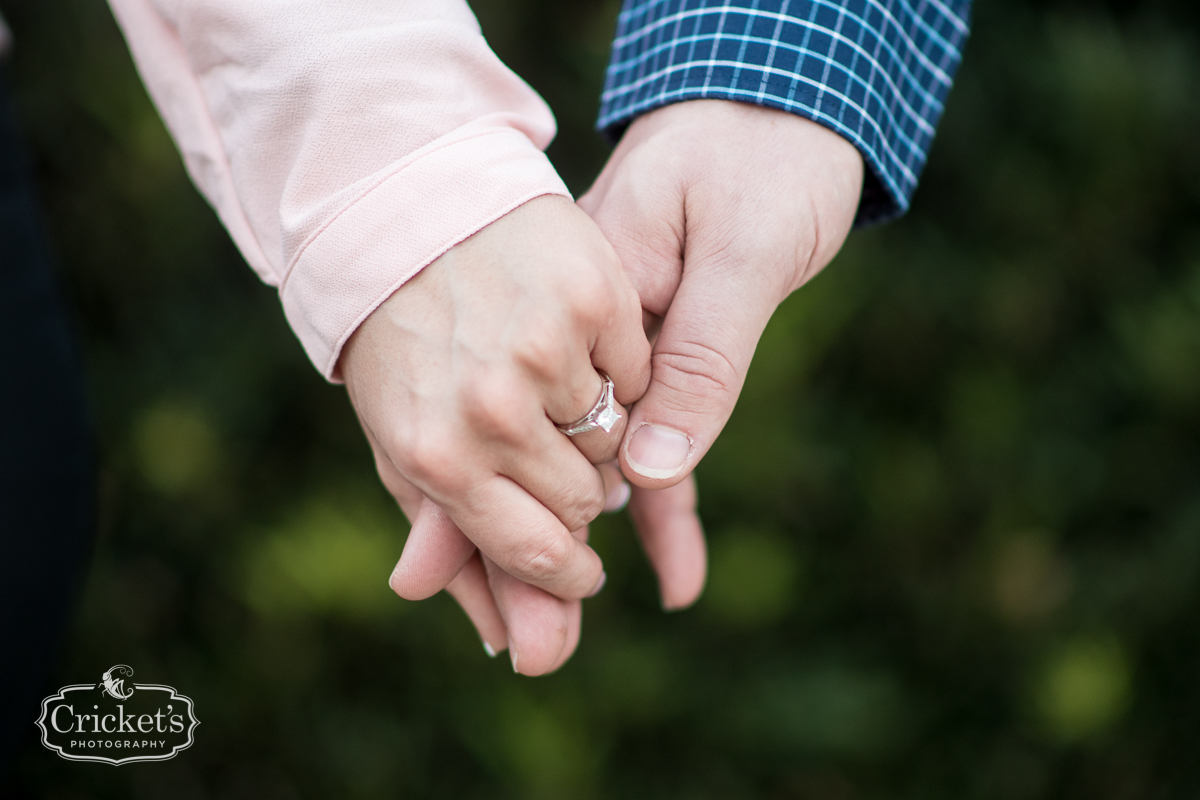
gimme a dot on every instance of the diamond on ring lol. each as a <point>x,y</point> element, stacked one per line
<point>604,414</point>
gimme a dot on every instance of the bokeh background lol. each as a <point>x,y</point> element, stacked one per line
<point>955,519</point>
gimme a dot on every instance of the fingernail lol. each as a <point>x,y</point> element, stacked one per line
<point>487,648</point>
<point>658,452</point>
<point>513,652</point>
<point>618,497</point>
<point>599,584</point>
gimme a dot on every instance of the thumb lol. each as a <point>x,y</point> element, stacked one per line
<point>698,367</point>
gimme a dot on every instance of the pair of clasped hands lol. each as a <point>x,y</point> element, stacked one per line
<point>707,215</point>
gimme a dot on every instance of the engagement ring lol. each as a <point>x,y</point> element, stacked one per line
<point>603,415</point>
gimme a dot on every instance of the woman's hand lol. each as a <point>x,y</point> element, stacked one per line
<point>458,380</point>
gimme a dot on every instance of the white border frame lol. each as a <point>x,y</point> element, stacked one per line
<point>116,762</point>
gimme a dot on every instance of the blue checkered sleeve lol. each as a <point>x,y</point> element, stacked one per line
<point>875,71</point>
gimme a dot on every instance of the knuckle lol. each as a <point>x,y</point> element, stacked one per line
<point>590,296</point>
<point>581,394</point>
<point>696,370</point>
<point>542,559</point>
<point>427,456</point>
<point>539,347</point>
<point>491,405</point>
<point>590,508</point>
<point>582,507</point>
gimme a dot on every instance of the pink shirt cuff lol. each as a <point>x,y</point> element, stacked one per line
<point>379,241</point>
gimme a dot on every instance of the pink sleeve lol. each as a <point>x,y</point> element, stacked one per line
<point>345,145</point>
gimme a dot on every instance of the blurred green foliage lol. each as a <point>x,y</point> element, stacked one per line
<point>955,519</point>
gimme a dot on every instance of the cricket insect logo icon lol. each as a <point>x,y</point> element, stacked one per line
<point>114,686</point>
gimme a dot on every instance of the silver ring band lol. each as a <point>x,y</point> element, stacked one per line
<point>604,414</point>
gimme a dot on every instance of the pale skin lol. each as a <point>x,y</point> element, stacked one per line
<point>717,211</point>
<point>458,379</point>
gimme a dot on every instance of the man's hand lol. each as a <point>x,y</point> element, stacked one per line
<point>718,211</point>
<point>458,379</point>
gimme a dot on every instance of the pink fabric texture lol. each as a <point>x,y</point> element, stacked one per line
<point>344,145</point>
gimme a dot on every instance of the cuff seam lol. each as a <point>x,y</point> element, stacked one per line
<point>379,179</point>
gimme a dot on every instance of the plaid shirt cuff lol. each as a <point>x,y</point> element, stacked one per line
<point>875,71</point>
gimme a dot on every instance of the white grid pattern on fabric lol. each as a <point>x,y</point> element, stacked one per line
<point>875,71</point>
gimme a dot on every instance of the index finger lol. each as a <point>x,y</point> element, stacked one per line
<point>525,539</point>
